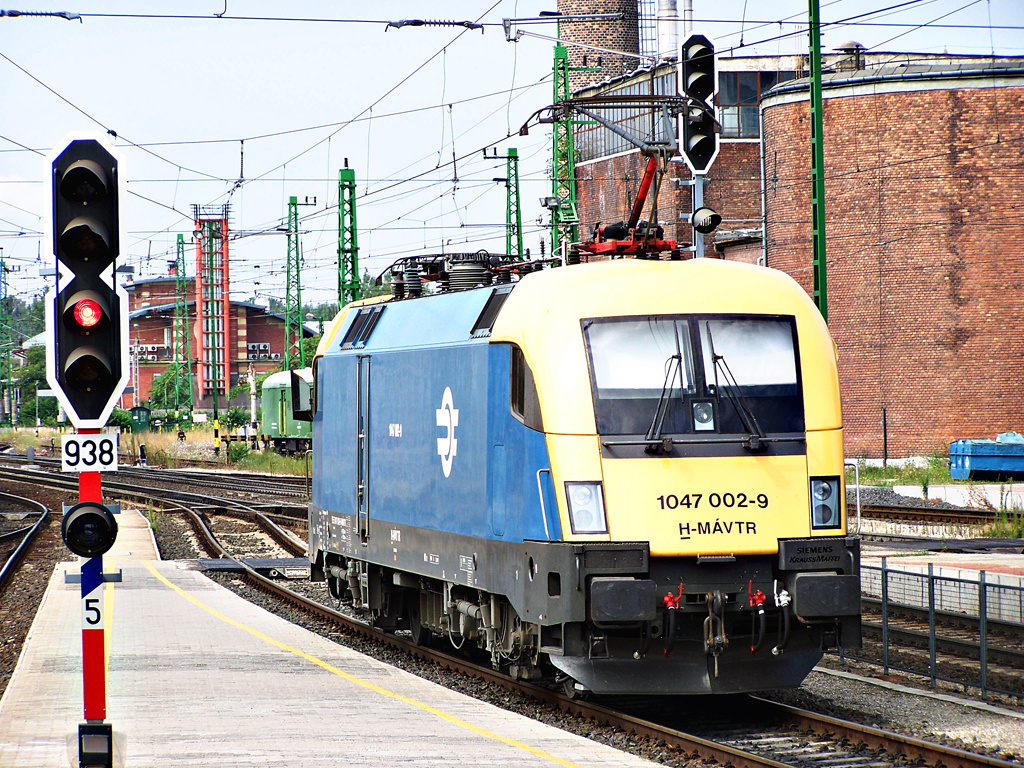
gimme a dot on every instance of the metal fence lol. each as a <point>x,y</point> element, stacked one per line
<point>966,593</point>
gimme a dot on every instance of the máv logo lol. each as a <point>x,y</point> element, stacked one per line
<point>447,417</point>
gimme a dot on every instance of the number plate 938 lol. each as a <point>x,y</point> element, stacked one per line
<point>88,453</point>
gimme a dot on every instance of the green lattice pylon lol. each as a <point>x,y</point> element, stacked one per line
<point>348,240</point>
<point>6,346</point>
<point>181,338</point>
<point>564,217</point>
<point>514,217</point>
<point>293,290</point>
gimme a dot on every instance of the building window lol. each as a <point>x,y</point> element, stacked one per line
<point>593,140</point>
<point>739,94</point>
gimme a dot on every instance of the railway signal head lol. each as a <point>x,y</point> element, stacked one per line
<point>698,128</point>
<point>89,529</point>
<point>705,220</point>
<point>87,313</point>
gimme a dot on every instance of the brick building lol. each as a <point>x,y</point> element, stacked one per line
<point>924,188</point>
<point>255,337</point>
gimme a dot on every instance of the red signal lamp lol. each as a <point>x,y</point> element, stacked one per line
<point>88,313</point>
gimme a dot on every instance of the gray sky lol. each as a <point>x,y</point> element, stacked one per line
<point>211,110</point>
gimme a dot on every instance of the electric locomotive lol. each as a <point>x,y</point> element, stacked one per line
<point>620,477</point>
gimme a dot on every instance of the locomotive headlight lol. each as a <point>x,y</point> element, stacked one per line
<point>826,507</point>
<point>586,507</point>
<point>703,416</point>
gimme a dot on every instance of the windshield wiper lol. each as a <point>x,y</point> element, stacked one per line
<point>755,435</point>
<point>673,365</point>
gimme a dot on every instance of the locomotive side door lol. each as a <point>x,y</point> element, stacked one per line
<point>363,447</point>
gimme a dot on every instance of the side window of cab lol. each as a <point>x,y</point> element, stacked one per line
<point>524,402</point>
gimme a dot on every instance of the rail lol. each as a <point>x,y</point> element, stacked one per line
<point>30,533</point>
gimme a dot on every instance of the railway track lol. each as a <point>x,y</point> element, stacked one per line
<point>284,495</point>
<point>21,520</point>
<point>768,734</point>
<point>197,503</point>
<point>926,515</point>
<point>957,646</point>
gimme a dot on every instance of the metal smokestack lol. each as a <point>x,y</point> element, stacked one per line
<point>668,30</point>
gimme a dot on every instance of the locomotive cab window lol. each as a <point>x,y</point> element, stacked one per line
<point>697,374</point>
<point>524,402</point>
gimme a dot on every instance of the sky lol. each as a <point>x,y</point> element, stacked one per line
<point>246,103</point>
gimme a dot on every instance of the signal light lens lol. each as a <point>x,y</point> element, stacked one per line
<point>88,313</point>
<point>85,238</point>
<point>705,220</point>
<point>87,368</point>
<point>89,529</point>
<point>84,182</point>
<point>703,416</point>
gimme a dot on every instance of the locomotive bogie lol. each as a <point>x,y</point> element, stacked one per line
<point>624,477</point>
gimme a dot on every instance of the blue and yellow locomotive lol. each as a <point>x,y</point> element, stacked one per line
<point>624,476</point>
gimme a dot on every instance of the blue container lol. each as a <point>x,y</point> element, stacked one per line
<point>999,459</point>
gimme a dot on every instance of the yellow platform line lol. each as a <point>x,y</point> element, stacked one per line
<point>365,684</point>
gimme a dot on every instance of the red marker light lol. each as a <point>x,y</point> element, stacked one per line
<point>88,313</point>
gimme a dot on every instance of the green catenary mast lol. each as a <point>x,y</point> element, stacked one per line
<point>293,288</point>
<point>348,242</point>
<point>182,340</point>
<point>6,345</point>
<point>564,216</point>
<point>514,216</point>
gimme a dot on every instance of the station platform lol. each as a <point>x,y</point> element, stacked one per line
<point>197,676</point>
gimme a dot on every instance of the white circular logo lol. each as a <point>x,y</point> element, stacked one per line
<point>447,417</point>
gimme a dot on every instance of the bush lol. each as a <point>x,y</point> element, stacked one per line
<point>234,418</point>
<point>237,451</point>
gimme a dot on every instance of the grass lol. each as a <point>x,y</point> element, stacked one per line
<point>934,471</point>
<point>269,461</point>
<point>155,519</point>
<point>1009,524</point>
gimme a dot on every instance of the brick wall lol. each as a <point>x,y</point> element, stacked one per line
<point>622,35</point>
<point>924,198</point>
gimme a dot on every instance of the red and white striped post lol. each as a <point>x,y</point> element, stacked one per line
<point>95,735</point>
<point>94,676</point>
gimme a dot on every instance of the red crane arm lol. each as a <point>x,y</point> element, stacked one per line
<point>641,195</point>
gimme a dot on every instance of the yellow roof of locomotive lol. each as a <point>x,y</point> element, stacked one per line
<point>542,316</point>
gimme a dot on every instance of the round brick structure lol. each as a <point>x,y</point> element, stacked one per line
<point>612,35</point>
<point>924,196</point>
